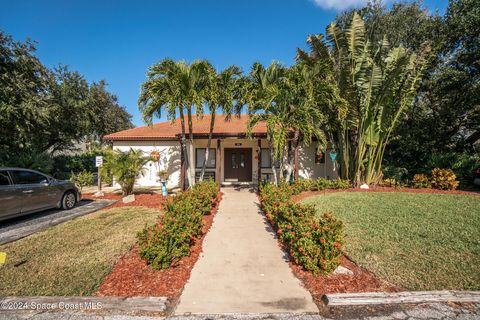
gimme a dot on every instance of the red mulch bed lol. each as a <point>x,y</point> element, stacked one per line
<point>307,194</point>
<point>131,276</point>
<point>362,280</point>
<point>150,200</point>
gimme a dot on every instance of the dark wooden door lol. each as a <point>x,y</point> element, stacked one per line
<point>238,164</point>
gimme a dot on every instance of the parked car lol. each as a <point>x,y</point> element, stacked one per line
<point>476,180</point>
<point>24,191</point>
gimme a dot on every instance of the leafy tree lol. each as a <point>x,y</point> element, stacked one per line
<point>377,84</point>
<point>44,111</point>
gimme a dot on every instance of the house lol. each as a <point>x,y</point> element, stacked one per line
<point>233,157</point>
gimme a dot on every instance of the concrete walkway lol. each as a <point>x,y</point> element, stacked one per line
<point>242,268</point>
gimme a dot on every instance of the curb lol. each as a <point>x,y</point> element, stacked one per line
<point>379,298</point>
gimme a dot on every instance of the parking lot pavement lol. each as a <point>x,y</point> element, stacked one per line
<point>20,227</point>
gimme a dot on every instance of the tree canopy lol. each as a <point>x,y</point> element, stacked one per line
<point>48,110</point>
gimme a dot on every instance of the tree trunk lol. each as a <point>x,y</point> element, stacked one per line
<point>183,143</point>
<point>190,147</point>
<point>293,150</point>
<point>209,143</point>
<point>272,164</point>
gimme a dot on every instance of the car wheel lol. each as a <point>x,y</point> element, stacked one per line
<point>68,200</point>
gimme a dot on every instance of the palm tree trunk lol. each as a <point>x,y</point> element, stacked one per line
<point>190,138</point>
<point>209,143</point>
<point>293,152</point>
<point>272,164</point>
<point>183,143</point>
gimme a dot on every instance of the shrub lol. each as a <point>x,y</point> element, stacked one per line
<point>421,181</point>
<point>389,182</point>
<point>82,179</point>
<point>312,242</point>
<point>444,179</point>
<point>165,243</point>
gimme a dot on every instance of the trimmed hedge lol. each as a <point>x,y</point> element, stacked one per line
<point>165,243</point>
<point>312,242</point>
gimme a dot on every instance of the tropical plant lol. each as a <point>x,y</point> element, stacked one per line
<point>444,179</point>
<point>376,85</point>
<point>176,86</point>
<point>421,180</point>
<point>125,167</point>
<point>284,99</point>
<point>222,92</point>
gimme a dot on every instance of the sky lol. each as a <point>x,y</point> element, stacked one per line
<point>118,40</point>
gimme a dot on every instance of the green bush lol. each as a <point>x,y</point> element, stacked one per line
<point>444,179</point>
<point>312,242</point>
<point>82,179</point>
<point>313,185</point>
<point>166,242</point>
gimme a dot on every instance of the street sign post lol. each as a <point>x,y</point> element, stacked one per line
<point>99,164</point>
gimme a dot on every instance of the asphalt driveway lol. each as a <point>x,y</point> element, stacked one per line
<point>17,228</point>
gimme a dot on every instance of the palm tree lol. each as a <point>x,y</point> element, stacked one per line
<point>375,84</point>
<point>284,99</point>
<point>125,167</point>
<point>222,93</point>
<point>175,86</point>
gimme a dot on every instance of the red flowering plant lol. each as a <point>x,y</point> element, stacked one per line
<point>313,242</point>
<point>166,242</point>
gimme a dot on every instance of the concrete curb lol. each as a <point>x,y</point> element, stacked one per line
<point>415,297</point>
<point>51,303</point>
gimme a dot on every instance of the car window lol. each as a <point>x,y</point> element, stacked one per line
<point>4,180</point>
<point>28,177</point>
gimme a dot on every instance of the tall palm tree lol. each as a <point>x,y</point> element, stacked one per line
<point>221,93</point>
<point>284,99</point>
<point>174,86</point>
<point>375,84</point>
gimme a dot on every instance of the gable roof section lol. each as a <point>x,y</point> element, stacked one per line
<point>169,130</point>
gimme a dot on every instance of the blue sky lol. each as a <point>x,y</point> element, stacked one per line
<point>118,40</point>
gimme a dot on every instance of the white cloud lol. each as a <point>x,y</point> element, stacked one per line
<point>340,4</point>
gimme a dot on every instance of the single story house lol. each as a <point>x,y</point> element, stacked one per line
<point>233,159</point>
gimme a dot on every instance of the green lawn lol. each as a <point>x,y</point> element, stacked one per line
<point>71,258</point>
<point>417,241</point>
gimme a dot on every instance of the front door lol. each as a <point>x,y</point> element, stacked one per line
<point>238,164</point>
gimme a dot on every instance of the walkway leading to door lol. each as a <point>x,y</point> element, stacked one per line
<point>242,269</point>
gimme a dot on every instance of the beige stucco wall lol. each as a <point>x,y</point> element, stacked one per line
<point>170,159</point>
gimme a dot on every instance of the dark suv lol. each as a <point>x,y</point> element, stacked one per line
<point>24,191</point>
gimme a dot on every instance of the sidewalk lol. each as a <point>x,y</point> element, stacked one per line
<point>242,269</point>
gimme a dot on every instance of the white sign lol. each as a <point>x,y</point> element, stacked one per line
<point>98,161</point>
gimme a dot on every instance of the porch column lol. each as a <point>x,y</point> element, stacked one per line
<point>295,164</point>
<point>259,155</point>
<point>218,161</point>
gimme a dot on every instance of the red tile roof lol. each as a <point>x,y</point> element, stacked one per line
<point>236,126</point>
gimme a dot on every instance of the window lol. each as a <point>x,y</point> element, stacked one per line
<point>4,180</point>
<point>28,177</point>
<point>266,159</point>
<point>319,156</point>
<point>200,156</point>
